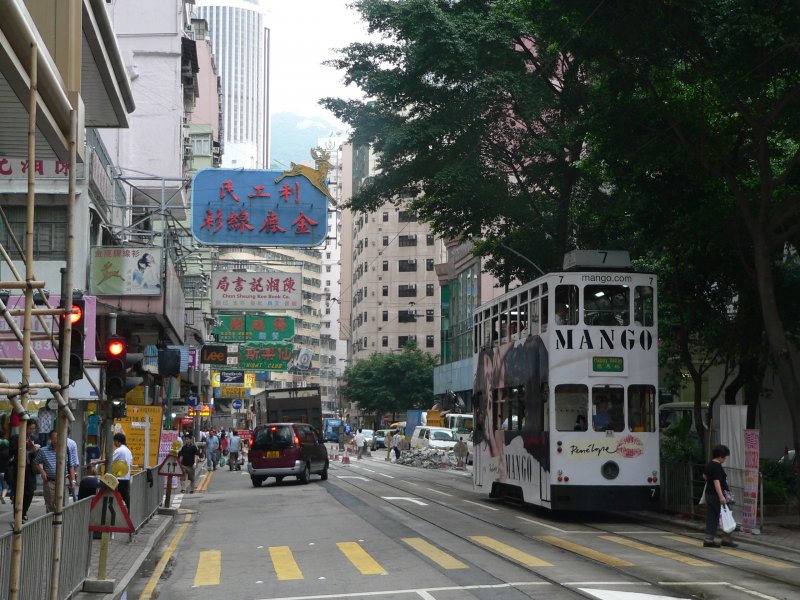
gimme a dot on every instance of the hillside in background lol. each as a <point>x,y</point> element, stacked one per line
<point>293,136</point>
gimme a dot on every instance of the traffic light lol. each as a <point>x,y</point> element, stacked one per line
<point>116,366</point>
<point>77,319</point>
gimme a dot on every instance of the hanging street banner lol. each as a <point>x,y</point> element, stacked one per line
<point>261,356</point>
<point>236,207</point>
<point>253,328</point>
<point>255,290</point>
<point>125,271</point>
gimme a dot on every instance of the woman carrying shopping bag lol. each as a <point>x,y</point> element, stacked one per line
<point>716,487</point>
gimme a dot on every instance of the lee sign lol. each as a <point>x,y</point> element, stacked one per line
<point>235,207</point>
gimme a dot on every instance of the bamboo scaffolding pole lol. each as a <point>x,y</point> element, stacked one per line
<point>16,548</point>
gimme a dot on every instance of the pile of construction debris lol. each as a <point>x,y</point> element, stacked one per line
<point>427,459</point>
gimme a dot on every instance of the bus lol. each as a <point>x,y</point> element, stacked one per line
<point>566,370</point>
<point>462,424</point>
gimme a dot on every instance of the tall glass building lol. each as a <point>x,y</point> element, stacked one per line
<point>240,41</point>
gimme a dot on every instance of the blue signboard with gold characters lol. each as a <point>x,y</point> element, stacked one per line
<point>235,207</point>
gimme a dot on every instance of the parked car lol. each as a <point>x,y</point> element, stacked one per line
<point>286,449</point>
<point>439,438</point>
<point>789,458</point>
<point>381,439</point>
<point>368,435</point>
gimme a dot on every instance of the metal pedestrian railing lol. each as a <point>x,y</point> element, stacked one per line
<point>146,493</point>
<point>37,543</point>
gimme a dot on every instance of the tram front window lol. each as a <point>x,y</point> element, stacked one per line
<point>608,408</point>
<point>572,402</point>
<point>606,305</point>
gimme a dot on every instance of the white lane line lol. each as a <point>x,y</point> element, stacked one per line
<point>721,584</point>
<point>385,475</point>
<point>352,477</point>
<point>481,505</point>
<point>418,591</point>
<point>368,470</point>
<point>542,524</point>
<point>414,500</point>
<point>438,492</point>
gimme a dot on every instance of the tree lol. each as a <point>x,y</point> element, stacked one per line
<point>391,382</point>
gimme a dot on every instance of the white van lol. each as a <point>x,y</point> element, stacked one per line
<point>438,438</point>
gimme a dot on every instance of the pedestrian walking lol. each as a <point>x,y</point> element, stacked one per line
<point>121,467</point>
<point>45,462</point>
<point>31,448</point>
<point>234,447</point>
<point>716,497</point>
<point>396,443</point>
<point>212,450</point>
<point>189,456</point>
<point>361,440</point>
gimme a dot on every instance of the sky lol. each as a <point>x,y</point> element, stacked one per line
<point>303,32</point>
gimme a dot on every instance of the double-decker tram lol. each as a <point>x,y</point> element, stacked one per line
<point>566,371</point>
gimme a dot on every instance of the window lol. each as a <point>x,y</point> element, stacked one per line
<point>201,145</point>
<point>607,408</point>
<point>328,283</point>
<point>429,264</point>
<point>385,290</point>
<point>429,239</point>
<point>407,216</point>
<point>385,315</point>
<point>572,404</point>
<point>566,307</point>
<point>606,305</point>
<point>386,265</point>
<point>407,265</point>
<point>429,289</point>
<point>385,218</point>
<point>385,339</point>
<point>49,232</point>
<point>327,268</point>
<point>643,306</point>
<point>386,240</point>
<point>403,340</point>
<point>327,310</point>
<point>429,315</point>
<point>429,341</point>
<point>408,240</point>
<point>641,408</point>
<point>406,316</point>
<point>407,291</point>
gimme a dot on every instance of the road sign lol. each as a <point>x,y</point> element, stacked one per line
<point>237,404</point>
<point>108,513</point>
<point>193,399</point>
<point>170,467</point>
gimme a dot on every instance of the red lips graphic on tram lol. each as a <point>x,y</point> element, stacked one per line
<point>630,446</point>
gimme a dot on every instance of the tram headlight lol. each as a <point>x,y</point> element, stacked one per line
<point>610,470</point>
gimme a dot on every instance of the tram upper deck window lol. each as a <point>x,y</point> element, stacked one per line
<point>606,305</point>
<point>643,305</point>
<point>641,408</point>
<point>566,309</point>
<point>608,406</point>
<point>571,404</point>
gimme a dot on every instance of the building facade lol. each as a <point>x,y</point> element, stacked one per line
<point>240,41</point>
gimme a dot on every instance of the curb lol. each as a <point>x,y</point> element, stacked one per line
<point>151,546</point>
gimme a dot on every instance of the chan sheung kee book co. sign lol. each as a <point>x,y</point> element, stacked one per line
<point>235,207</point>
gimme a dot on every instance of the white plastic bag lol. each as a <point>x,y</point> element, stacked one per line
<point>703,495</point>
<point>726,521</point>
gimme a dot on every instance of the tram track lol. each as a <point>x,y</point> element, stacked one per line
<point>652,582</point>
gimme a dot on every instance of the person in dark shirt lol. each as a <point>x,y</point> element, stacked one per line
<point>89,484</point>
<point>716,486</point>
<point>31,448</point>
<point>189,456</point>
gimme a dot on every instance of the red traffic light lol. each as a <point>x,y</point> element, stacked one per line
<point>76,315</point>
<point>115,347</point>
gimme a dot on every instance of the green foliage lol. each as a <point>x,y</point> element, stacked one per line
<point>681,445</point>
<point>779,482</point>
<point>391,382</point>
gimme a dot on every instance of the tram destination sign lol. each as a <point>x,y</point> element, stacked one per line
<point>608,364</point>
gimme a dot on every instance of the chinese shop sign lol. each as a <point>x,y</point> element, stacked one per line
<point>253,328</point>
<point>265,289</point>
<point>234,207</point>
<point>261,356</point>
<point>125,271</point>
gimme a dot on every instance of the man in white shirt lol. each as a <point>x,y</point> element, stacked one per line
<point>360,441</point>
<point>121,466</point>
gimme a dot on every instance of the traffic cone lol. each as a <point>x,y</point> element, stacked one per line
<point>345,460</point>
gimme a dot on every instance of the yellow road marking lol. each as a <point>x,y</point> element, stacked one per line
<point>523,557</point>
<point>441,558</point>
<point>147,592</point>
<point>209,568</point>
<point>688,560</point>
<point>206,480</point>
<point>770,562</point>
<point>284,564</point>
<point>360,559</point>
<point>584,551</point>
